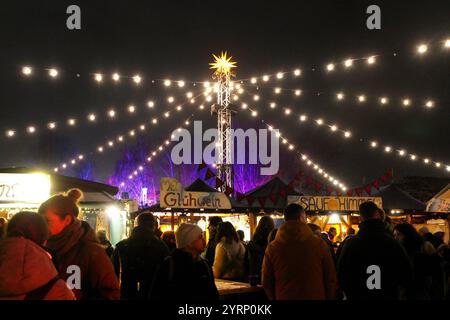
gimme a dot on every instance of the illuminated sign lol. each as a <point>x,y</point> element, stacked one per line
<point>172,195</point>
<point>332,203</point>
<point>24,187</point>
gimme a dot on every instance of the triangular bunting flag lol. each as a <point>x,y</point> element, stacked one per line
<point>209,174</point>
<point>219,183</point>
<point>228,191</point>
<point>376,184</point>
<point>262,201</point>
<point>239,196</point>
<point>368,189</point>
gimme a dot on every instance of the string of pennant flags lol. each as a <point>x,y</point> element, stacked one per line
<point>301,179</point>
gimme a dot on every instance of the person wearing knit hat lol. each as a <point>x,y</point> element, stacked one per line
<point>185,274</point>
<point>186,234</point>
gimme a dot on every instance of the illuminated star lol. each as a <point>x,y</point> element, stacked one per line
<point>222,64</point>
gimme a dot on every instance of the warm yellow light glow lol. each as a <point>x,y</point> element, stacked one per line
<point>167,83</point>
<point>340,96</point>
<point>253,80</point>
<point>388,149</point>
<point>131,109</point>
<point>303,118</point>
<point>429,104</point>
<point>297,72</point>
<point>170,99</point>
<point>116,76</point>
<point>413,157</point>
<point>384,100</point>
<point>137,79</point>
<point>423,48</point>
<point>348,63</point>
<point>222,64</point>
<point>426,160</point>
<point>401,152</point>
<point>371,60</point>
<point>150,104</point>
<point>265,78</point>
<point>298,92</point>
<point>287,111</point>
<point>330,67</point>
<point>10,133</point>
<point>98,77</point>
<point>31,129</point>
<point>111,113</point>
<point>374,144</point>
<point>254,113</point>
<point>406,102</point>
<point>280,75</point>
<point>333,127</point>
<point>362,98</point>
<point>27,70</point>
<point>53,73</point>
<point>273,105</point>
<point>181,83</point>
<point>52,125</point>
<point>319,122</point>
<point>71,122</point>
<point>347,134</point>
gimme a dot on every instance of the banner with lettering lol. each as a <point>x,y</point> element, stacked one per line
<point>332,203</point>
<point>24,187</point>
<point>173,195</point>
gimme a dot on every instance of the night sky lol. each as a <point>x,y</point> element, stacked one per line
<point>175,39</point>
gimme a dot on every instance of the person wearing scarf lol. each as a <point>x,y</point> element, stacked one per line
<point>77,249</point>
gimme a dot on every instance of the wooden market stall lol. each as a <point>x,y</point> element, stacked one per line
<point>25,189</point>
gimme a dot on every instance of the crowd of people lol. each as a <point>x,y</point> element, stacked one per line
<point>53,255</point>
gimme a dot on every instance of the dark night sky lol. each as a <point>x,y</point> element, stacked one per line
<point>174,39</point>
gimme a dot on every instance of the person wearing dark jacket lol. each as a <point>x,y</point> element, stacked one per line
<point>428,274</point>
<point>257,246</point>
<point>210,252</point>
<point>136,259</point>
<point>185,275</point>
<point>372,264</point>
<point>77,249</point>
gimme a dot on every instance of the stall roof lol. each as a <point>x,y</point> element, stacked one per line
<point>200,186</point>
<point>395,198</point>
<point>441,201</point>
<point>264,193</point>
<point>94,192</point>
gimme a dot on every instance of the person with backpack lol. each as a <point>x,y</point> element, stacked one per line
<point>185,275</point>
<point>27,271</point>
<point>136,259</point>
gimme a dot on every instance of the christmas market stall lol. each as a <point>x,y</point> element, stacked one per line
<point>195,203</point>
<point>438,208</point>
<point>25,189</point>
<point>339,212</point>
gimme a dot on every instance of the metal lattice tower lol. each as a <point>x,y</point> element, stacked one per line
<point>224,125</point>
<point>224,151</point>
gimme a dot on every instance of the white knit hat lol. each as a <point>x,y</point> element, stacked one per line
<point>186,234</point>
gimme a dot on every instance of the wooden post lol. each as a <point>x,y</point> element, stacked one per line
<point>252,223</point>
<point>172,221</point>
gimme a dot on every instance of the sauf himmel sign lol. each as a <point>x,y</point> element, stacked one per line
<point>332,203</point>
<point>172,195</point>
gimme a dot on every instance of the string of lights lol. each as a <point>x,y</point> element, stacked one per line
<point>360,98</point>
<point>347,134</point>
<point>102,148</point>
<point>95,117</point>
<point>347,63</point>
<point>292,147</point>
<point>154,153</point>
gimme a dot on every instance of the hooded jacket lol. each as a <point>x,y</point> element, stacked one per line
<point>374,250</point>
<point>77,245</point>
<point>298,265</point>
<point>25,267</point>
<point>229,260</point>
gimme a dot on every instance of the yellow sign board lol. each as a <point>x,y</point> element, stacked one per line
<point>332,203</point>
<point>172,195</point>
<point>24,187</point>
